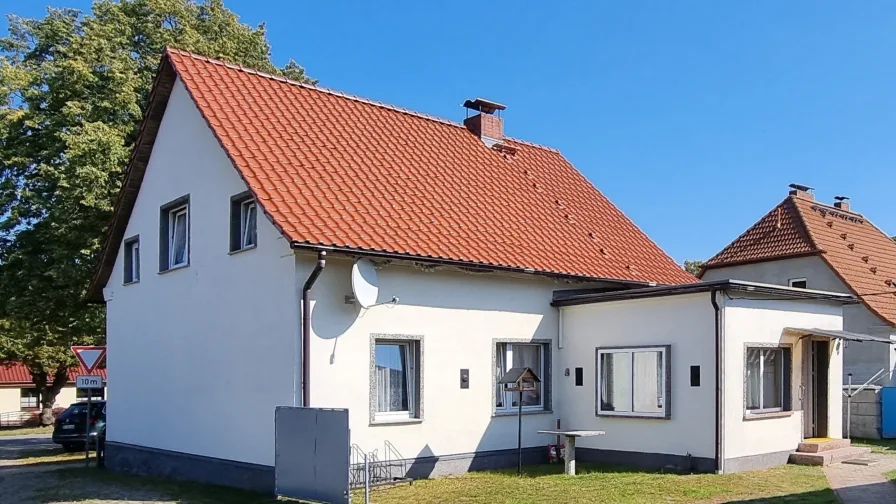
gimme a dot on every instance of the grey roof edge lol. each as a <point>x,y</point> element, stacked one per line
<point>561,299</point>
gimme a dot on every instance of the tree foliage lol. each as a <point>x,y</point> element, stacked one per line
<point>72,91</point>
<point>693,267</point>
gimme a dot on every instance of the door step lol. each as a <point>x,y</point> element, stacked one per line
<point>817,445</point>
<point>861,461</point>
<point>827,457</point>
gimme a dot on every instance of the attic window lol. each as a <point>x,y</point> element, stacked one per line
<point>243,222</point>
<point>799,283</point>
<point>132,260</point>
<point>174,234</point>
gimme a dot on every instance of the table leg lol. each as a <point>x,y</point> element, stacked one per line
<point>570,461</point>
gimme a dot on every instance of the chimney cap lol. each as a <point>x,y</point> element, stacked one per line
<point>801,187</point>
<point>841,198</point>
<point>484,106</point>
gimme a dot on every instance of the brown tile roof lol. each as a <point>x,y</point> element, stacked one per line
<point>15,373</point>
<point>859,253</point>
<point>337,170</point>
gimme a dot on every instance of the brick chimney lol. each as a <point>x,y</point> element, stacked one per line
<point>802,191</point>
<point>842,203</point>
<point>486,123</point>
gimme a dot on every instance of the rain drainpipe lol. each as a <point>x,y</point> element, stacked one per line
<point>718,344</point>
<point>306,326</point>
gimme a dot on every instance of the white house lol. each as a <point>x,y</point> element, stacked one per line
<point>252,196</point>
<point>805,243</point>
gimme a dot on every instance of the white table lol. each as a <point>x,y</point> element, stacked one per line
<point>571,435</point>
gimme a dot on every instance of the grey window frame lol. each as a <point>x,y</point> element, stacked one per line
<point>546,376</point>
<point>166,214</point>
<point>35,397</point>
<point>666,414</point>
<point>132,267</point>
<point>415,389</point>
<point>238,223</point>
<point>786,378</point>
<point>510,396</point>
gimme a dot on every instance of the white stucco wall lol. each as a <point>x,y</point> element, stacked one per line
<point>459,315</point>
<point>686,323</point>
<point>863,360</point>
<point>9,399</point>
<point>205,351</point>
<point>761,321</point>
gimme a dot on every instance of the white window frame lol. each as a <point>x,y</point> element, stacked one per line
<point>410,376</point>
<point>132,249</point>
<point>35,399</point>
<point>245,208</point>
<point>509,397</point>
<point>172,232</point>
<point>792,281</point>
<point>760,410</point>
<point>663,387</point>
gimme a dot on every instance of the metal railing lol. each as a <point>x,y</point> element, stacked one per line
<point>14,418</point>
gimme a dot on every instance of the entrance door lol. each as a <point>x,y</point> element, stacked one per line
<point>815,402</point>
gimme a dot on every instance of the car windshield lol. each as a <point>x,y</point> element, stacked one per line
<point>77,410</point>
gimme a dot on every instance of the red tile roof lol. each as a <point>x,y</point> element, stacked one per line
<point>859,253</point>
<point>17,374</point>
<point>337,170</point>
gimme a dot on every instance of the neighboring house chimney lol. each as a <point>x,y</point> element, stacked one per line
<point>842,203</point>
<point>485,124</point>
<point>802,191</point>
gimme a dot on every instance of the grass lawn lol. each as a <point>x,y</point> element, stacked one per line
<point>26,431</point>
<point>887,446</point>
<point>891,475</point>
<point>541,484</point>
<point>545,484</point>
<point>52,456</point>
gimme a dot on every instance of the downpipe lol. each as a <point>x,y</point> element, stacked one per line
<point>718,345</point>
<point>306,326</point>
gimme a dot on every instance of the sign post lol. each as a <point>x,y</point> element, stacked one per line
<point>89,357</point>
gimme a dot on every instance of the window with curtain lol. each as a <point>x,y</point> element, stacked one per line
<point>765,379</point>
<point>632,381</point>
<point>396,381</point>
<point>29,399</point>
<point>511,355</point>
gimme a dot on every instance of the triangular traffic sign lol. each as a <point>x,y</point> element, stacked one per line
<point>89,356</point>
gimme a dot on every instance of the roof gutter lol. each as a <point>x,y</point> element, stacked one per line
<point>306,326</point>
<point>461,264</point>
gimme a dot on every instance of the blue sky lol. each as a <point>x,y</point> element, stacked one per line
<point>691,116</point>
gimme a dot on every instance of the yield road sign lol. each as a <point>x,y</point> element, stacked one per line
<point>89,356</point>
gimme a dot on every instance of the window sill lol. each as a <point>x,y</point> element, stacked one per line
<point>762,416</point>
<point>396,421</point>
<point>244,249</point>
<point>636,416</point>
<point>504,413</point>
<point>175,268</point>
<point>132,282</point>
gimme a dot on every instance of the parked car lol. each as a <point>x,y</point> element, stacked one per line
<point>71,425</point>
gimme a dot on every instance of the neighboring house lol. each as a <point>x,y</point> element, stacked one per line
<point>17,392</point>
<point>805,243</point>
<point>253,196</point>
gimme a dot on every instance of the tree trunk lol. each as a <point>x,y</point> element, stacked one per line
<point>48,392</point>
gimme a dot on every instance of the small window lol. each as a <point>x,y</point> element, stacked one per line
<point>29,399</point>
<point>243,222</point>
<point>632,382</point>
<point>799,283</point>
<point>132,260</point>
<point>174,234</point>
<point>511,355</point>
<point>95,395</point>
<point>397,380</point>
<point>766,379</point>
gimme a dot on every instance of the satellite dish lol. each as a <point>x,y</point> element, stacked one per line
<point>364,283</point>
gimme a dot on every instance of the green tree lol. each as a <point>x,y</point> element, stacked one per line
<point>73,88</point>
<point>693,267</point>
